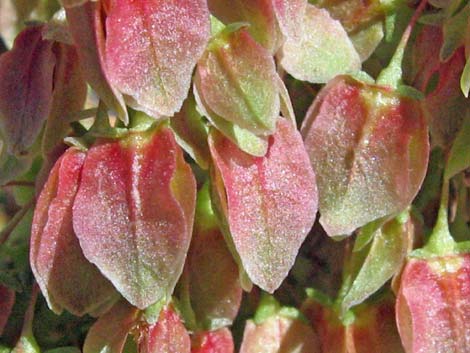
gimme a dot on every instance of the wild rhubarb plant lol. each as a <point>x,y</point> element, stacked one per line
<point>221,176</point>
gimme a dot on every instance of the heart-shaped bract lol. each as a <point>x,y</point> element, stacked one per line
<point>369,147</point>
<point>66,278</point>
<point>271,202</point>
<point>134,211</point>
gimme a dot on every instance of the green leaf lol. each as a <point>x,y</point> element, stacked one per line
<point>454,33</point>
<point>387,252</point>
<point>459,156</point>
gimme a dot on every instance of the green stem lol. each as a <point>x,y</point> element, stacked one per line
<point>392,74</point>
<point>441,242</point>
<point>10,227</point>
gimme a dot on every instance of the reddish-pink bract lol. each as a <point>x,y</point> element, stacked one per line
<point>271,202</point>
<point>66,278</point>
<point>26,74</point>
<point>236,79</point>
<point>151,49</point>
<point>134,211</point>
<point>433,305</point>
<point>369,147</point>
<point>279,334</point>
<point>167,335</point>
<point>87,29</point>
<point>218,341</point>
<point>7,300</point>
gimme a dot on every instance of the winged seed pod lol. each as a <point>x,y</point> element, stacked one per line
<point>134,212</point>
<point>66,278</point>
<point>280,193</point>
<point>369,147</point>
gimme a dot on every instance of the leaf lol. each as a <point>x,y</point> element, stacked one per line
<point>191,132</point>
<point>7,300</point>
<point>459,156</point>
<point>384,258</point>
<point>218,341</point>
<point>66,278</point>
<point>151,50</point>
<point>134,211</point>
<point>280,192</point>
<point>25,89</point>
<point>68,97</point>
<point>236,79</point>
<point>244,139</point>
<point>279,334</point>
<point>433,305</point>
<point>87,30</point>
<point>454,33</point>
<point>323,52</point>
<point>215,291</point>
<point>12,166</point>
<point>108,334</point>
<point>168,335</point>
<point>370,149</point>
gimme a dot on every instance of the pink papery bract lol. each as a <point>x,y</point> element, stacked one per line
<point>369,147</point>
<point>271,202</point>
<point>433,305</point>
<point>134,213</point>
<point>167,335</point>
<point>151,49</point>
<point>218,341</point>
<point>66,278</point>
<point>26,74</point>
